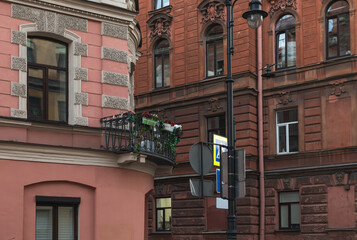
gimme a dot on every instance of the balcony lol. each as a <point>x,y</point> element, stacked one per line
<point>142,134</point>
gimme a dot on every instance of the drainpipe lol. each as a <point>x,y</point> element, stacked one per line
<point>260,136</point>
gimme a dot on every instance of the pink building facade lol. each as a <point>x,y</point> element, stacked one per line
<point>64,65</point>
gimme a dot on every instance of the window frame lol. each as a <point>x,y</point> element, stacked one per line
<point>163,54</point>
<point>55,203</point>
<point>287,136</point>
<point>157,209</point>
<point>217,131</point>
<point>45,68</point>
<point>213,41</point>
<point>284,31</point>
<point>161,5</point>
<point>338,29</point>
<point>289,204</point>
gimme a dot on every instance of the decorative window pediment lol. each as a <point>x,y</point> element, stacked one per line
<point>212,10</point>
<point>281,5</point>
<point>160,25</point>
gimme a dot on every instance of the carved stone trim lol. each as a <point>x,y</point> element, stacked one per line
<point>81,98</point>
<point>214,105</point>
<point>160,25</point>
<point>115,78</point>
<point>281,5</point>
<point>114,55</point>
<point>80,49</point>
<point>284,98</point>
<point>81,74</point>
<point>338,87</point>
<point>114,30</point>
<point>114,102</point>
<point>212,10</point>
<point>340,177</point>
<point>18,37</point>
<point>18,89</point>
<point>18,63</point>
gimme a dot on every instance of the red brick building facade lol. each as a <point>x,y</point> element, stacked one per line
<point>309,107</point>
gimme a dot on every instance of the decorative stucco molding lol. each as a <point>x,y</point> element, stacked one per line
<point>212,10</point>
<point>338,87</point>
<point>284,98</point>
<point>80,49</point>
<point>114,55</point>
<point>114,102</point>
<point>81,121</point>
<point>81,98</point>
<point>214,105</point>
<point>115,30</point>
<point>81,74</point>
<point>18,63</point>
<point>159,25</point>
<point>18,89</point>
<point>17,113</point>
<point>115,78</point>
<point>49,21</point>
<point>18,37</point>
<point>281,5</point>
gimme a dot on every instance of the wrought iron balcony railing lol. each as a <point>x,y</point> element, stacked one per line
<point>125,133</point>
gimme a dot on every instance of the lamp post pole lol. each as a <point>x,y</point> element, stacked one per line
<point>255,18</point>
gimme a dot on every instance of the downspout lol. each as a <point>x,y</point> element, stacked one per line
<point>260,136</point>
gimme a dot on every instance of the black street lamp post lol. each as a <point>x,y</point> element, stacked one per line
<point>255,18</point>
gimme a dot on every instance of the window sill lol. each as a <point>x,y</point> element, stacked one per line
<point>334,59</point>
<point>281,70</point>
<point>286,153</point>
<point>164,10</point>
<point>287,231</point>
<point>161,233</point>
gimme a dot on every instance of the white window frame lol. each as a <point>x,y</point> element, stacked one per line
<point>287,137</point>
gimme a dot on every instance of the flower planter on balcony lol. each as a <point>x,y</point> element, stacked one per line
<point>168,127</point>
<point>149,121</point>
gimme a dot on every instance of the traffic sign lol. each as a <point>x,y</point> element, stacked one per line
<point>218,141</point>
<point>200,157</point>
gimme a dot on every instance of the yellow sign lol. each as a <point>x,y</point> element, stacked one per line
<point>218,148</point>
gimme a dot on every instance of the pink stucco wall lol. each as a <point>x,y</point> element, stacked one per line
<point>112,200</point>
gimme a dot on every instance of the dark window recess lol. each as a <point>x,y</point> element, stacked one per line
<point>285,50</point>
<point>214,52</point>
<point>56,218</point>
<point>47,80</point>
<point>163,214</point>
<point>216,125</point>
<point>161,3</point>
<point>338,30</point>
<point>162,64</point>
<point>289,208</point>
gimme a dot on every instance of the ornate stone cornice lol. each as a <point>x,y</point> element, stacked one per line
<point>212,10</point>
<point>281,5</point>
<point>160,25</point>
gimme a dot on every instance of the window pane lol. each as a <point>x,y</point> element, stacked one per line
<point>286,197</point>
<point>158,71</point>
<point>295,215</point>
<point>210,60</point>
<point>43,223</point>
<point>293,137</point>
<point>157,4</point>
<point>166,69</point>
<point>291,48</point>
<point>35,93</point>
<point>284,216</point>
<point>344,34</point>
<point>220,57</point>
<point>287,116</point>
<point>57,99</point>
<point>163,202</point>
<point>216,125</point>
<point>281,51</point>
<point>282,139</point>
<point>332,40</point>
<point>337,8</point>
<point>65,223</point>
<point>168,219</point>
<point>166,3</point>
<point>43,51</point>
<point>159,219</point>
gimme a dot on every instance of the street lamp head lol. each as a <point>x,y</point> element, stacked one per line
<point>255,15</point>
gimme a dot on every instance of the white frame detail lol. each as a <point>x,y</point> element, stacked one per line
<point>287,137</point>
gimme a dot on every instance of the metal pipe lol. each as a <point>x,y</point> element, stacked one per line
<point>260,136</point>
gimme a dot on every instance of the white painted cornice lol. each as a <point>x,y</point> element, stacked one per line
<point>84,9</point>
<point>75,156</point>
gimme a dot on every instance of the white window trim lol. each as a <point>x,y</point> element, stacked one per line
<point>286,124</point>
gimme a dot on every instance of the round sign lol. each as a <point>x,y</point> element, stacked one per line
<point>201,158</point>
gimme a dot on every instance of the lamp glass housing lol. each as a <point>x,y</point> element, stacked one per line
<point>255,20</point>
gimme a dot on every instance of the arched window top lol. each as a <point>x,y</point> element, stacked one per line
<point>285,22</point>
<point>337,8</point>
<point>46,52</point>
<point>214,32</point>
<point>162,46</point>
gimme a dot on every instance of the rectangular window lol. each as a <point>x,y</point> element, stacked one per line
<point>287,131</point>
<point>161,3</point>
<point>163,214</point>
<point>56,218</point>
<point>216,125</point>
<point>289,207</point>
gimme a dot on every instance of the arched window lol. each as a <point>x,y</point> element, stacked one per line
<point>285,46</point>
<point>47,80</point>
<point>338,29</point>
<point>214,52</point>
<point>162,64</point>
